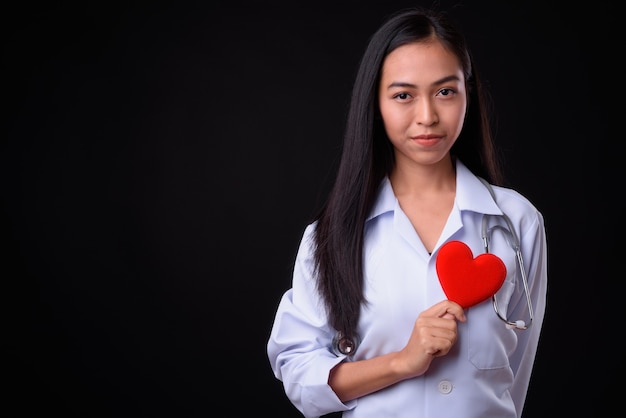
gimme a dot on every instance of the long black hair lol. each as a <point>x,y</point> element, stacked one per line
<point>367,157</point>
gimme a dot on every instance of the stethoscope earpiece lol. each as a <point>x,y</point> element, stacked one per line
<point>519,324</point>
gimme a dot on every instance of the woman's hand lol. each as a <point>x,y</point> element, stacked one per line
<point>434,334</point>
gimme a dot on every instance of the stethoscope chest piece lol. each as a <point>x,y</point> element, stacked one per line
<point>343,345</point>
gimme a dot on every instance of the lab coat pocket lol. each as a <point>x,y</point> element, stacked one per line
<point>489,339</point>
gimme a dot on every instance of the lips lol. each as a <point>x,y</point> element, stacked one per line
<point>427,139</point>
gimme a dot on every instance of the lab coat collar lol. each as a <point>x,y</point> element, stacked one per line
<point>471,194</point>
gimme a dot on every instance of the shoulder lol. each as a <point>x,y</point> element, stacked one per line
<point>308,236</point>
<point>517,206</point>
<point>511,197</point>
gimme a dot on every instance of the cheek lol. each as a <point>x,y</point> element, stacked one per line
<point>461,118</point>
<point>394,121</point>
<point>456,117</point>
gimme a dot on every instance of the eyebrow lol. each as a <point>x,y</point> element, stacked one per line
<point>410,85</point>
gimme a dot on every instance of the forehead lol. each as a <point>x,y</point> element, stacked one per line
<point>421,59</point>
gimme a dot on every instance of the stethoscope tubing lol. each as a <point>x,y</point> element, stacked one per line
<point>513,240</point>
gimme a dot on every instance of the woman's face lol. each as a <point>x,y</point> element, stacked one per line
<point>422,101</point>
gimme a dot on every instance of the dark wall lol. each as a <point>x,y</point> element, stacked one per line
<point>159,163</point>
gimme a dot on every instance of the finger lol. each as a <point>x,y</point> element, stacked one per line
<point>455,312</point>
<point>447,309</point>
<point>441,346</point>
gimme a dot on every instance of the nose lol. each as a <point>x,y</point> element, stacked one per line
<point>426,113</point>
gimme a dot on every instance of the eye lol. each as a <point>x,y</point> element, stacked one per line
<point>403,96</point>
<point>446,92</point>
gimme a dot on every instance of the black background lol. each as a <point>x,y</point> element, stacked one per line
<point>160,160</point>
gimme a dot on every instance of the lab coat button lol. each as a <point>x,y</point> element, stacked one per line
<point>445,387</point>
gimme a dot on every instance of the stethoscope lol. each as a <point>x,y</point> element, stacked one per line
<point>513,240</point>
<point>346,346</point>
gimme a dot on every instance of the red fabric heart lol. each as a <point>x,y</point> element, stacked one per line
<point>467,280</point>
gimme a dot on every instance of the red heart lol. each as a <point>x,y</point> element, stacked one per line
<point>467,280</point>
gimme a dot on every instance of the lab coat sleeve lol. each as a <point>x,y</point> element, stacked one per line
<point>534,253</point>
<point>299,346</point>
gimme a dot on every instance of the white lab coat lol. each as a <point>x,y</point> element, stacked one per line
<point>487,372</point>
